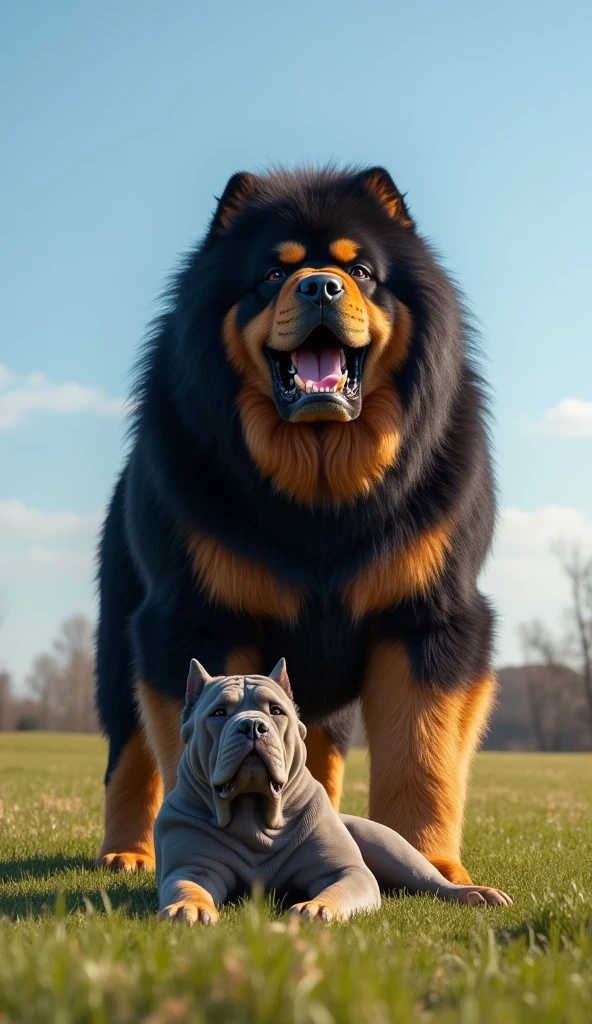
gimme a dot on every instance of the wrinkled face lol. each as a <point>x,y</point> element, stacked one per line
<point>244,736</point>
<point>317,323</point>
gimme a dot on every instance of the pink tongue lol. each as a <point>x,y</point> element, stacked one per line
<point>320,367</point>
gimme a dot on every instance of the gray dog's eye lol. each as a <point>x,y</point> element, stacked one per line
<point>275,709</point>
<point>218,713</point>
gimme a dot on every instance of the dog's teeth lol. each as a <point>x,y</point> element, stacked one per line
<point>308,388</point>
<point>316,389</point>
<point>299,382</point>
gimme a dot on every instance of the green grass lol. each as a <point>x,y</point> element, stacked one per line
<point>79,945</point>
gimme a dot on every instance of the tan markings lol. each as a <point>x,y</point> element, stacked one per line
<point>452,869</point>
<point>161,718</point>
<point>401,575</point>
<point>192,902</point>
<point>332,461</point>
<point>382,190</point>
<point>239,583</point>
<point>291,252</point>
<point>132,800</point>
<point>390,344</point>
<point>244,349</point>
<point>356,455</point>
<point>344,250</point>
<point>243,661</point>
<point>325,763</point>
<point>292,317</point>
<point>287,453</point>
<point>337,464</point>
<point>422,741</point>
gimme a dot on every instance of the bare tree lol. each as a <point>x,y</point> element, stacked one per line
<point>5,702</point>
<point>578,569</point>
<point>529,633</point>
<point>63,681</point>
<point>45,685</point>
<point>547,694</point>
<point>5,692</point>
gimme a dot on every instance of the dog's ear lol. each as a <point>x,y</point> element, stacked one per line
<point>280,676</point>
<point>377,182</point>
<point>196,680</point>
<point>237,192</point>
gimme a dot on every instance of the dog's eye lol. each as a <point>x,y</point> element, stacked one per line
<point>275,709</point>
<point>362,273</point>
<point>218,713</point>
<point>275,274</point>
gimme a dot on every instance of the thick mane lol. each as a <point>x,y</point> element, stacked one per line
<point>185,395</point>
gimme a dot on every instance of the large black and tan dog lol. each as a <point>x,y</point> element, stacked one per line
<point>309,479</point>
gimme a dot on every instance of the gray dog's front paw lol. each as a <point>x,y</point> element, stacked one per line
<point>482,895</point>
<point>316,910</point>
<point>189,912</point>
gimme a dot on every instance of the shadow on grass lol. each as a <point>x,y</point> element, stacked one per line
<point>547,929</point>
<point>134,903</point>
<point>33,885</point>
<point>40,867</point>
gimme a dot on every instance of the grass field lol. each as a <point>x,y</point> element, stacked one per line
<point>78,945</point>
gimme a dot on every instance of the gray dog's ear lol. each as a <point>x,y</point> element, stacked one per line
<point>280,676</point>
<point>196,680</point>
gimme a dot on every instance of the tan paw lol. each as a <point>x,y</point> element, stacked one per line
<point>452,869</point>
<point>481,895</point>
<point>126,861</point>
<point>315,910</point>
<point>190,912</point>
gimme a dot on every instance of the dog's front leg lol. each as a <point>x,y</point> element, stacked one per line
<point>349,891</point>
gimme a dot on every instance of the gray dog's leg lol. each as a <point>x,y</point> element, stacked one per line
<point>396,864</point>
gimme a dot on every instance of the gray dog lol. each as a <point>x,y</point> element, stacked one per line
<point>247,810</point>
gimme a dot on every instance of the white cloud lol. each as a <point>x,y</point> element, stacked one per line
<point>535,531</point>
<point>524,576</point>
<point>20,396</point>
<point>572,417</point>
<point>38,559</point>
<point>19,520</point>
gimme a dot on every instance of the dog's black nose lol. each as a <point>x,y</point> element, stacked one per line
<point>253,727</point>
<point>321,289</point>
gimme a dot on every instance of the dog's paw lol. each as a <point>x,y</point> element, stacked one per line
<point>315,910</point>
<point>483,895</point>
<point>126,862</point>
<point>190,912</point>
<point>452,869</point>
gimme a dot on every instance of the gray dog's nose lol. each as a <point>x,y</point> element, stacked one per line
<point>253,727</point>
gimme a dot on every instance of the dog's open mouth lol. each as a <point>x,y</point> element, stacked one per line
<point>320,379</point>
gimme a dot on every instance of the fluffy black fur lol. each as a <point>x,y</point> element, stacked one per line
<point>189,467</point>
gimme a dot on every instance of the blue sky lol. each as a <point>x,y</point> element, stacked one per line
<point>120,124</point>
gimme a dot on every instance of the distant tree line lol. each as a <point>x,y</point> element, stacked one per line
<point>59,693</point>
<point>557,670</point>
<point>545,703</point>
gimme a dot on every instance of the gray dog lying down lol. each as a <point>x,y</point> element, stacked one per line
<point>246,810</point>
